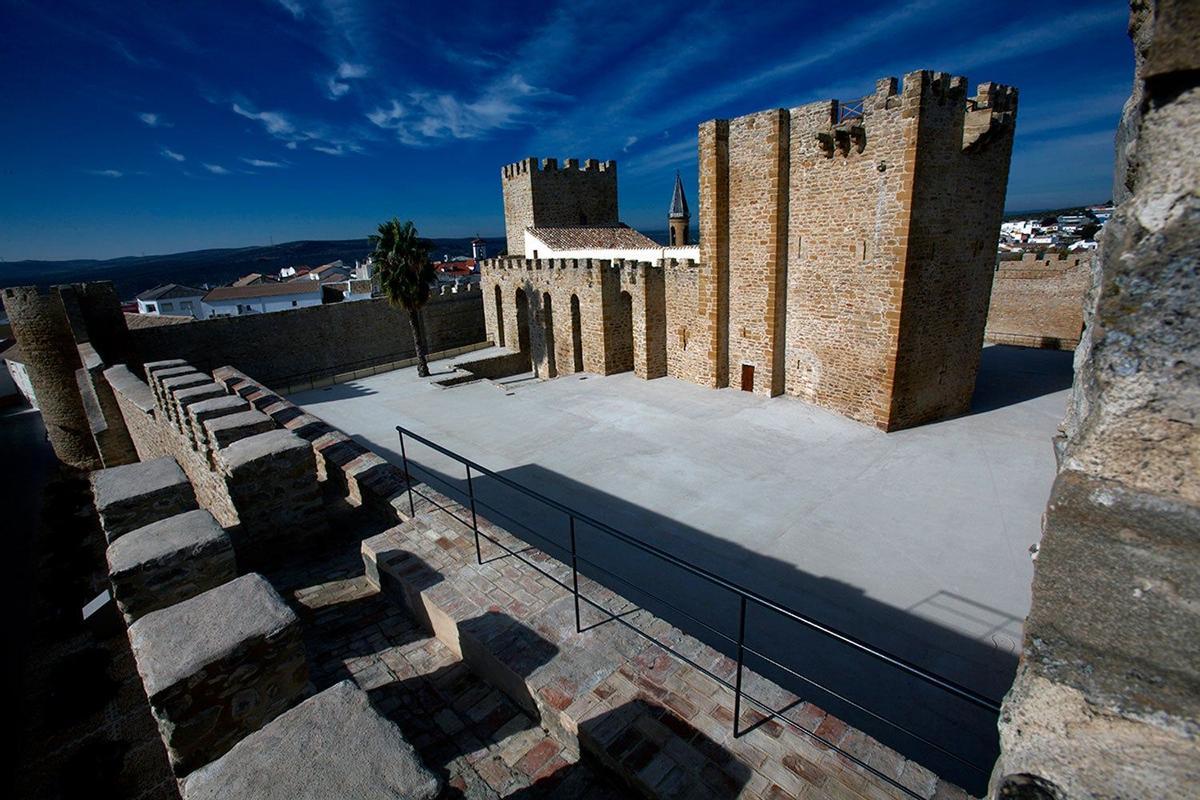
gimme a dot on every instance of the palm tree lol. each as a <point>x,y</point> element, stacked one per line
<point>405,275</point>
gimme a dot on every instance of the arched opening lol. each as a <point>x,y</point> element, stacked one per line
<point>499,318</point>
<point>576,335</point>
<point>623,346</point>
<point>522,302</point>
<point>548,336</point>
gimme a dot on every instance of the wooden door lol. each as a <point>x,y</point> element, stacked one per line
<point>747,377</point>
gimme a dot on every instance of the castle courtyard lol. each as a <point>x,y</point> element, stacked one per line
<point>917,541</point>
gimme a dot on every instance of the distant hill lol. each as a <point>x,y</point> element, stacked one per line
<point>134,274</point>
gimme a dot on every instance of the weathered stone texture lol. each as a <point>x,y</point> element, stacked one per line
<point>198,413</point>
<point>332,745</point>
<point>169,561</point>
<point>552,196</point>
<point>40,326</point>
<point>225,430</point>
<point>1038,302</point>
<point>1106,702</point>
<point>219,666</point>
<point>272,481</point>
<point>132,496</point>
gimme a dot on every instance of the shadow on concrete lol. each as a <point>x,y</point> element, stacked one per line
<point>836,676</point>
<point>1009,375</point>
<point>339,391</point>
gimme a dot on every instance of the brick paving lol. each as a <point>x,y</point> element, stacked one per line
<point>480,741</point>
<point>662,725</point>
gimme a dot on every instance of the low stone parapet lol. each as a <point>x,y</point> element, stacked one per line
<point>167,388</point>
<point>200,412</point>
<point>332,745</point>
<point>272,480</point>
<point>219,666</point>
<point>135,495</point>
<point>193,394</point>
<point>156,377</point>
<point>223,431</point>
<point>169,561</point>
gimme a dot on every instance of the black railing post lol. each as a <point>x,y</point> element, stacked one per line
<point>412,507</point>
<point>741,653</point>
<point>575,575</point>
<point>474,518</point>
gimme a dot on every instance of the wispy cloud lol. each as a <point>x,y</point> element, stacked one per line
<point>276,123</point>
<point>107,173</point>
<point>422,118</point>
<point>295,132</point>
<point>338,84</point>
<point>171,154</point>
<point>294,7</point>
<point>154,120</point>
<point>259,162</point>
<point>216,169</point>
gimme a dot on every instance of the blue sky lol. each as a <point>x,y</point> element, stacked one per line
<point>136,127</point>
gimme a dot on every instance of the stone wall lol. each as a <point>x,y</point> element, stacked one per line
<point>622,320</point>
<point>1106,702</point>
<point>852,246</point>
<point>960,171</point>
<point>552,196</point>
<point>317,340</point>
<point>1038,302</point>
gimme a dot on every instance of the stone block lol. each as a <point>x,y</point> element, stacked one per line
<point>218,667</point>
<point>155,378</point>
<point>169,386</point>
<point>272,480</point>
<point>204,410</point>
<point>195,394</point>
<point>135,495</point>
<point>225,430</point>
<point>332,745</point>
<point>169,561</point>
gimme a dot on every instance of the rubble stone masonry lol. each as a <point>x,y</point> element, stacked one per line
<point>1038,302</point>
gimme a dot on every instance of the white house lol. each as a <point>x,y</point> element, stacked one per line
<point>171,299</point>
<point>262,298</point>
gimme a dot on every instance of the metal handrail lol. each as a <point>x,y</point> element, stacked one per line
<point>745,596</point>
<point>950,686</point>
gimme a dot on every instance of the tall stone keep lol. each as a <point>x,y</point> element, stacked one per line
<point>548,195</point>
<point>849,247</point>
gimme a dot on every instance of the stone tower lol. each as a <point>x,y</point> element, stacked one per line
<point>63,333</point>
<point>550,196</point>
<point>679,218</point>
<point>848,247</point>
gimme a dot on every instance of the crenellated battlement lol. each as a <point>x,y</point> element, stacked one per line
<point>531,165</point>
<point>554,264</point>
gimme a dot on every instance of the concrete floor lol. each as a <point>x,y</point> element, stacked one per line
<point>916,541</point>
<point>936,521</point>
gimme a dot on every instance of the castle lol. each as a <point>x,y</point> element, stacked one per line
<point>845,256</point>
